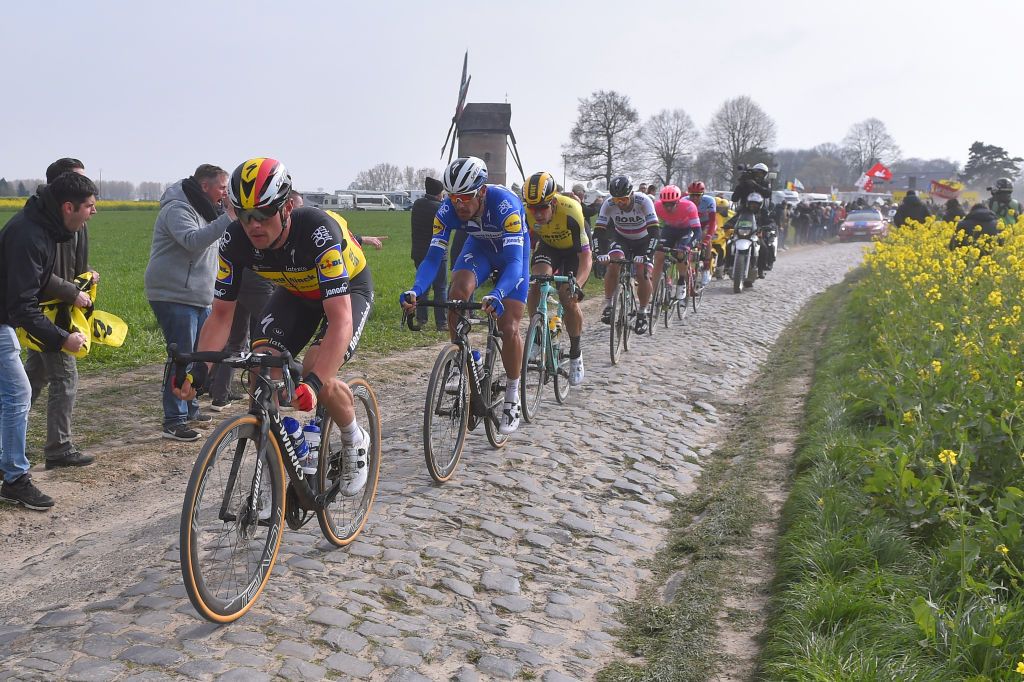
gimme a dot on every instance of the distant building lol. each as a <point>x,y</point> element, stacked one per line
<point>483,132</point>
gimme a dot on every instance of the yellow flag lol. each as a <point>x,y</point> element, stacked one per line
<point>97,326</point>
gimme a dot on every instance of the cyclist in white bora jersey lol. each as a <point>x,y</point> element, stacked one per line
<point>634,235</point>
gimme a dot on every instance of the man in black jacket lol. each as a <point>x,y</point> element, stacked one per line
<point>981,220</point>
<point>423,212</point>
<point>55,370</point>
<point>911,208</point>
<point>28,248</point>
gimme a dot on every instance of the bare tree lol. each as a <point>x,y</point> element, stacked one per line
<point>409,177</point>
<point>868,142</point>
<point>385,177</point>
<point>669,141</point>
<point>738,126</point>
<point>149,191</point>
<point>706,167</point>
<point>422,174</point>
<point>603,141</point>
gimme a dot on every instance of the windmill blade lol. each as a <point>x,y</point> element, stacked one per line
<point>460,104</point>
<point>511,144</point>
<point>448,137</point>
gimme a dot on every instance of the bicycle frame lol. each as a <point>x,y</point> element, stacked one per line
<point>546,285</point>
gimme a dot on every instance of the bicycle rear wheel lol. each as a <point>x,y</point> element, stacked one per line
<point>231,521</point>
<point>446,414</point>
<point>342,519</point>
<point>493,390</point>
<point>534,372</point>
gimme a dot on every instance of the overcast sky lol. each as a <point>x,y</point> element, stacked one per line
<point>147,91</point>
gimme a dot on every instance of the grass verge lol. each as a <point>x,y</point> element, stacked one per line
<point>722,534</point>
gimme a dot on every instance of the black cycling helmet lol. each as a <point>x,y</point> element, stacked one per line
<point>621,186</point>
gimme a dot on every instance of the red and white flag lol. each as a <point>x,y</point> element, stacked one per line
<point>879,172</point>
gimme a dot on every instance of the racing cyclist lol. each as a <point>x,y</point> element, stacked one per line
<point>707,211</point>
<point>634,234</point>
<point>492,216</point>
<point>324,293</point>
<point>680,227</point>
<point>563,248</point>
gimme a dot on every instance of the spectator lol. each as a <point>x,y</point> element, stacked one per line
<point>652,190</point>
<point>181,272</point>
<point>423,212</point>
<point>782,220</point>
<point>911,208</point>
<point>642,188</point>
<point>28,249</point>
<point>981,220</point>
<point>55,370</point>
<point>952,211</point>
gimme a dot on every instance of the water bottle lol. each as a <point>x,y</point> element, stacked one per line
<point>294,429</point>
<point>553,325</point>
<point>311,433</point>
<point>478,363</point>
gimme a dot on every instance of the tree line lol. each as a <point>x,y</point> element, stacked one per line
<point>115,190</point>
<point>608,138</point>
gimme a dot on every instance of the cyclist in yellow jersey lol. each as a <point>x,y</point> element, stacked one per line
<point>562,248</point>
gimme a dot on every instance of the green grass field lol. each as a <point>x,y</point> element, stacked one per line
<point>119,243</point>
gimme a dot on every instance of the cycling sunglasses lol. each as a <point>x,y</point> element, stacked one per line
<point>259,214</point>
<point>622,201</point>
<point>462,198</point>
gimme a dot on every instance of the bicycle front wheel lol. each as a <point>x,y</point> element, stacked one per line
<point>534,373</point>
<point>231,521</point>
<point>619,325</point>
<point>696,288</point>
<point>659,301</point>
<point>342,519</point>
<point>493,390</point>
<point>446,414</point>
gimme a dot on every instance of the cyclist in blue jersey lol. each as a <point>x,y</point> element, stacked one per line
<point>707,210</point>
<point>493,218</point>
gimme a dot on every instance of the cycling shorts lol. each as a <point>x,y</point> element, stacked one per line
<point>288,322</point>
<point>562,261</point>
<point>483,258</point>
<point>678,238</point>
<point>630,248</point>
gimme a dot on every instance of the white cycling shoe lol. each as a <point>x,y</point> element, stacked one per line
<point>354,469</point>
<point>510,415</point>
<point>576,372</point>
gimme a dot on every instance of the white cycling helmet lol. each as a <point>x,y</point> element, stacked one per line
<point>761,167</point>
<point>464,175</point>
<point>754,196</point>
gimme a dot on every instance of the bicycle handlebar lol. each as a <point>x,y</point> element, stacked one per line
<point>181,361</point>
<point>410,320</point>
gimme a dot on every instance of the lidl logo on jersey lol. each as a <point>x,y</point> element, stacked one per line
<point>225,273</point>
<point>513,223</point>
<point>438,226</point>
<point>331,265</point>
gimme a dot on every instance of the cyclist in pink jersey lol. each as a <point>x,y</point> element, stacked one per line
<point>680,227</point>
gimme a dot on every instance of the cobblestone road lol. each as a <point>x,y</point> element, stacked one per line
<point>512,570</point>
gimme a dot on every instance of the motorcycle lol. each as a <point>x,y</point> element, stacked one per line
<point>744,247</point>
<point>769,249</point>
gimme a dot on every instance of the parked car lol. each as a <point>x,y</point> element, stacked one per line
<point>863,224</point>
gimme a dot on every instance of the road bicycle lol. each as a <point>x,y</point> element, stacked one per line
<point>624,308</point>
<point>462,392</point>
<point>545,359</point>
<point>681,263</point>
<point>237,499</point>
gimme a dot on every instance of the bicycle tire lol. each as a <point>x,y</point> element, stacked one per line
<point>660,301</point>
<point>445,416</point>
<point>655,303</point>
<point>618,322</point>
<point>342,520</point>
<point>560,361</point>
<point>494,393</point>
<point>534,373</point>
<point>629,306</point>
<point>696,290</point>
<point>224,595</point>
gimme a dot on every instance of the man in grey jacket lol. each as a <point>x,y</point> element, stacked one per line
<point>181,273</point>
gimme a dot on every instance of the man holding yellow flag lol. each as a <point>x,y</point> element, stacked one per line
<point>28,247</point>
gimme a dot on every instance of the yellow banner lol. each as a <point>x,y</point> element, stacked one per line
<point>97,326</point>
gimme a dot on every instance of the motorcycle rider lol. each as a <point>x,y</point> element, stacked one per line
<point>753,179</point>
<point>765,224</point>
<point>1002,202</point>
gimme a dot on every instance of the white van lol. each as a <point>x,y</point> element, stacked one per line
<point>373,202</point>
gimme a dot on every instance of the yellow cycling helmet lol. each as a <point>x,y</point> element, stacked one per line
<point>540,188</point>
